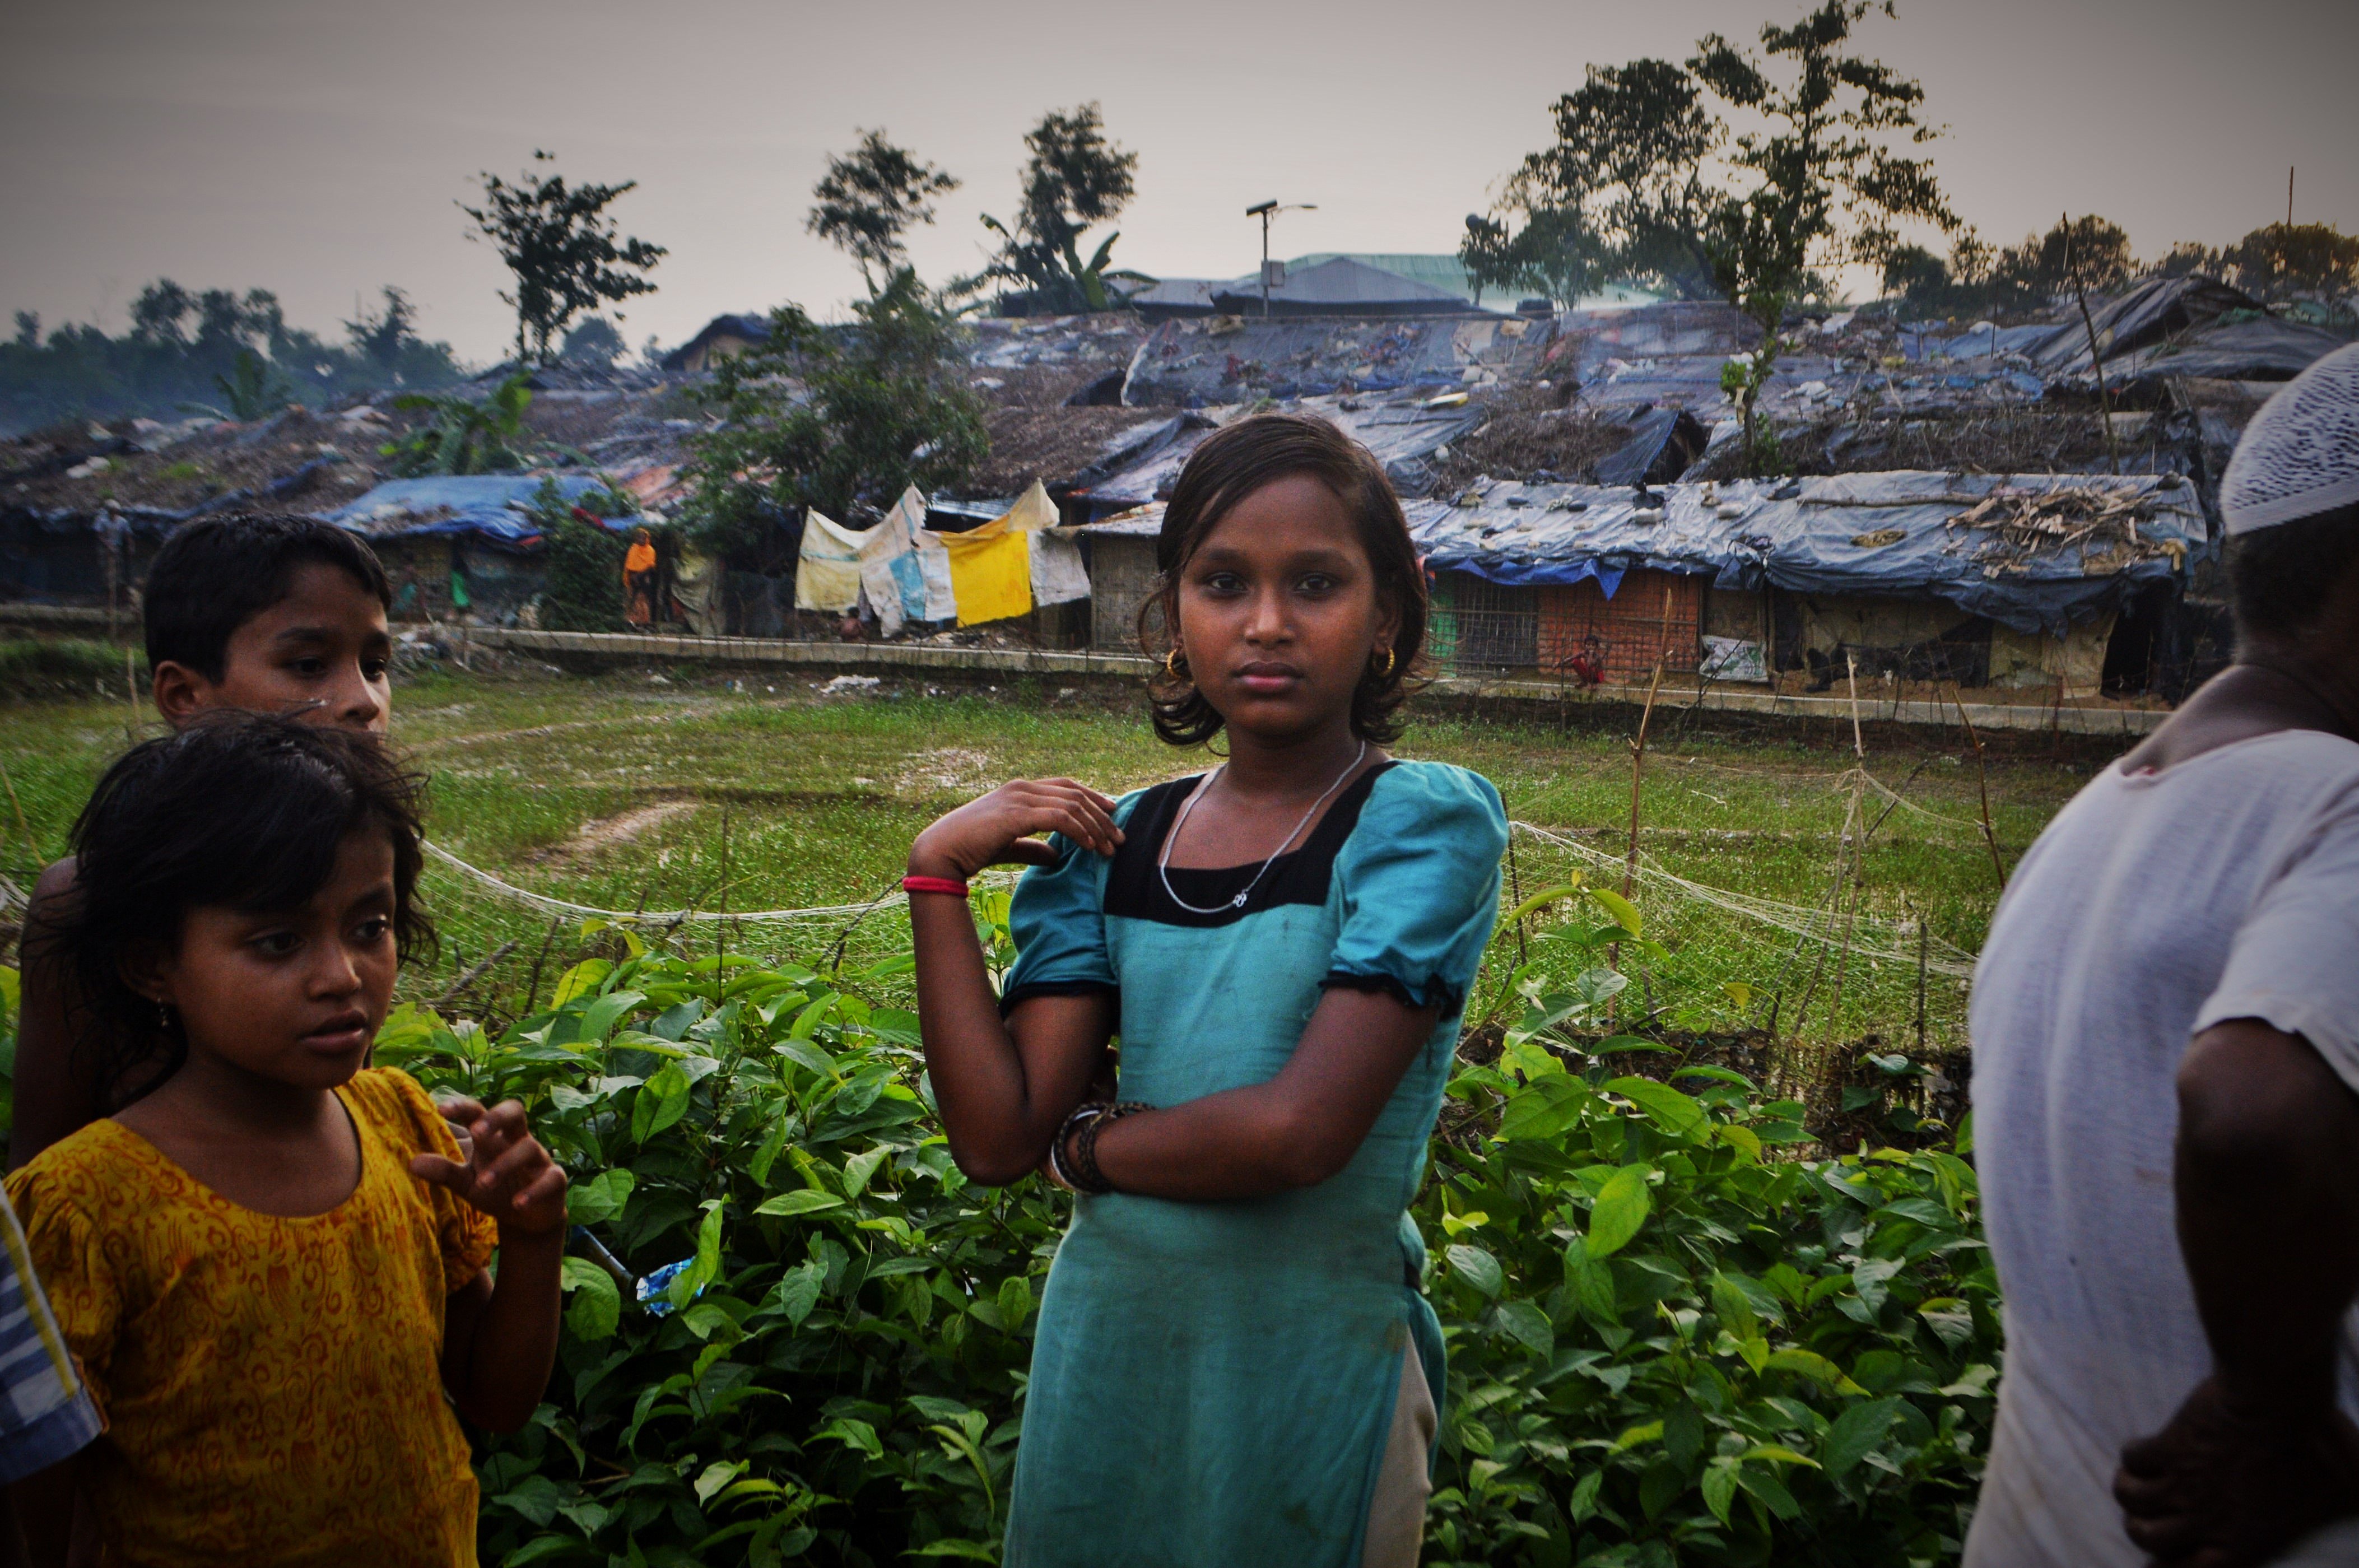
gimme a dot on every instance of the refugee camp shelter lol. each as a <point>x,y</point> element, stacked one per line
<point>1973,579</point>
<point>465,545</point>
<point>1340,286</point>
<point>724,337</point>
<point>1194,364</point>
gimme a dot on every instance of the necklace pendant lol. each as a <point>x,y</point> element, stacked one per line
<point>1239,902</point>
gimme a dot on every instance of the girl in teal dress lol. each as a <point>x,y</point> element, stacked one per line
<point>1233,1366</point>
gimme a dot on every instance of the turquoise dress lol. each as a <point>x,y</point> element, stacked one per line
<point>1213,1384</point>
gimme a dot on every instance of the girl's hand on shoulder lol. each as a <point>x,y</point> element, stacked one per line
<point>998,828</point>
<point>508,1174</point>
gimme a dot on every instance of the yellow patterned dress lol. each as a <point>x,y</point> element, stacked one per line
<point>272,1386</point>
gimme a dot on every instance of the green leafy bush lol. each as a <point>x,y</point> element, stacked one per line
<point>1668,1343</point>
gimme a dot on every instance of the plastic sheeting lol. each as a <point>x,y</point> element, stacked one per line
<point>827,575</point>
<point>490,505</point>
<point>1849,533</point>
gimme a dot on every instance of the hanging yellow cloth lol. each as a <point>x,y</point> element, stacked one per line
<point>990,571</point>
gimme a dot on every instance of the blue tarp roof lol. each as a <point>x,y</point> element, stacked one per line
<point>492,506</point>
<point>1886,534</point>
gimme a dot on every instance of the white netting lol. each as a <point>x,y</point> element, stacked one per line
<point>2301,454</point>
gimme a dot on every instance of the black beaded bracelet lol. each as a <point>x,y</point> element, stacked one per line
<point>1081,1173</point>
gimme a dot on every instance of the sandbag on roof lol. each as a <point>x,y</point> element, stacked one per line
<point>2053,550</point>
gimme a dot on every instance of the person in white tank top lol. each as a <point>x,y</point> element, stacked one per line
<point>2166,1036</point>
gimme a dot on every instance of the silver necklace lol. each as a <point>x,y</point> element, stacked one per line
<point>1163,860</point>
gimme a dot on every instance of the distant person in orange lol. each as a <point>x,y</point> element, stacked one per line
<point>639,579</point>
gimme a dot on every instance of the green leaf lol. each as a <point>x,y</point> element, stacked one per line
<point>1869,1277</point>
<point>1620,1210</point>
<point>535,1497</point>
<point>1623,911</point>
<point>604,1013</point>
<point>861,1167</point>
<point>601,1198</point>
<point>950,1547</point>
<point>1529,1326</point>
<point>706,1267</point>
<point>853,1433</point>
<point>1015,1302</point>
<point>1550,1107</point>
<point>1720,1488</point>
<point>797,1292</point>
<point>1538,901</point>
<point>1665,1107</point>
<point>1634,1437</point>
<point>582,980</point>
<point>767,1155</point>
<point>1735,1307</point>
<point>801,1201</point>
<point>1855,1433</point>
<point>1766,1486</point>
<point>717,1474</point>
<point>1477,1266</point>
<point>661,1102</point>
<point>1592,1283</point>
<point>1816,1367</point>
<point>597,1305</point>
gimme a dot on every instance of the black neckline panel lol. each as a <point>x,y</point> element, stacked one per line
<point>1298,876</point>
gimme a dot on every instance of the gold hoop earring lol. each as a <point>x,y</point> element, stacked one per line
<point>1389,661</point>
<point>1171,664</point>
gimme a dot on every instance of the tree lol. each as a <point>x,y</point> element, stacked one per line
<point>1618,195</point>
<point>566,253</point>
<point>1821,185</point>
<point>2094,252</point>
<point>29,329</point>
<point>1074,178</point>
<point>883,405</point>
<point>463,437</point>
<point>870,198</point>
<point>380,337</point>
<point>251,388</point>
<point>594,341</point>
<point>158,313</point>
<point>2284,261</point>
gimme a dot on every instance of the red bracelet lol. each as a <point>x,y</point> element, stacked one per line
<point>933,884</point>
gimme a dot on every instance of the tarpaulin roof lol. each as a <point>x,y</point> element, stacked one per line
<point>492,506</point>
<point>2259,348</point>
<point>1230,359</point>
<point>1342,286</point>
<point>2155,310</point>
<point>1400,435</point>
<point>1888,534</point>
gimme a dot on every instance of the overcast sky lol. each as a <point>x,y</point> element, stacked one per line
<point>315,148</point>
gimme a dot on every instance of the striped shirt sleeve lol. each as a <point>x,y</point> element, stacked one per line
<point>45,1413</point>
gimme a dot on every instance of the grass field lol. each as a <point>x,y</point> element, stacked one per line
<point>624,790</point>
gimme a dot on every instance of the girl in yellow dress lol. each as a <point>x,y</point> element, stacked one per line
<point>269,1260</point>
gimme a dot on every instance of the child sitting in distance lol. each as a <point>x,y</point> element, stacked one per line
<point>259,611</point>
<point>269,1262</point>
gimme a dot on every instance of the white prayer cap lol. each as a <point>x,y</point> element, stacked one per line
<point>2301,454</point>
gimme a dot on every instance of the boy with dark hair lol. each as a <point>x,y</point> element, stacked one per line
<point>250,610</point>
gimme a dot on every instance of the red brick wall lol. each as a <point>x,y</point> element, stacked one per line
<point>1653,614</point>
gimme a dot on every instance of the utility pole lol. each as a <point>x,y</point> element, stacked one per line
<point>2289,201</point>
<point>1266,211</point>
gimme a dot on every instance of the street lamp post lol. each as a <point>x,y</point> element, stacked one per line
<point>1266,211</point>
